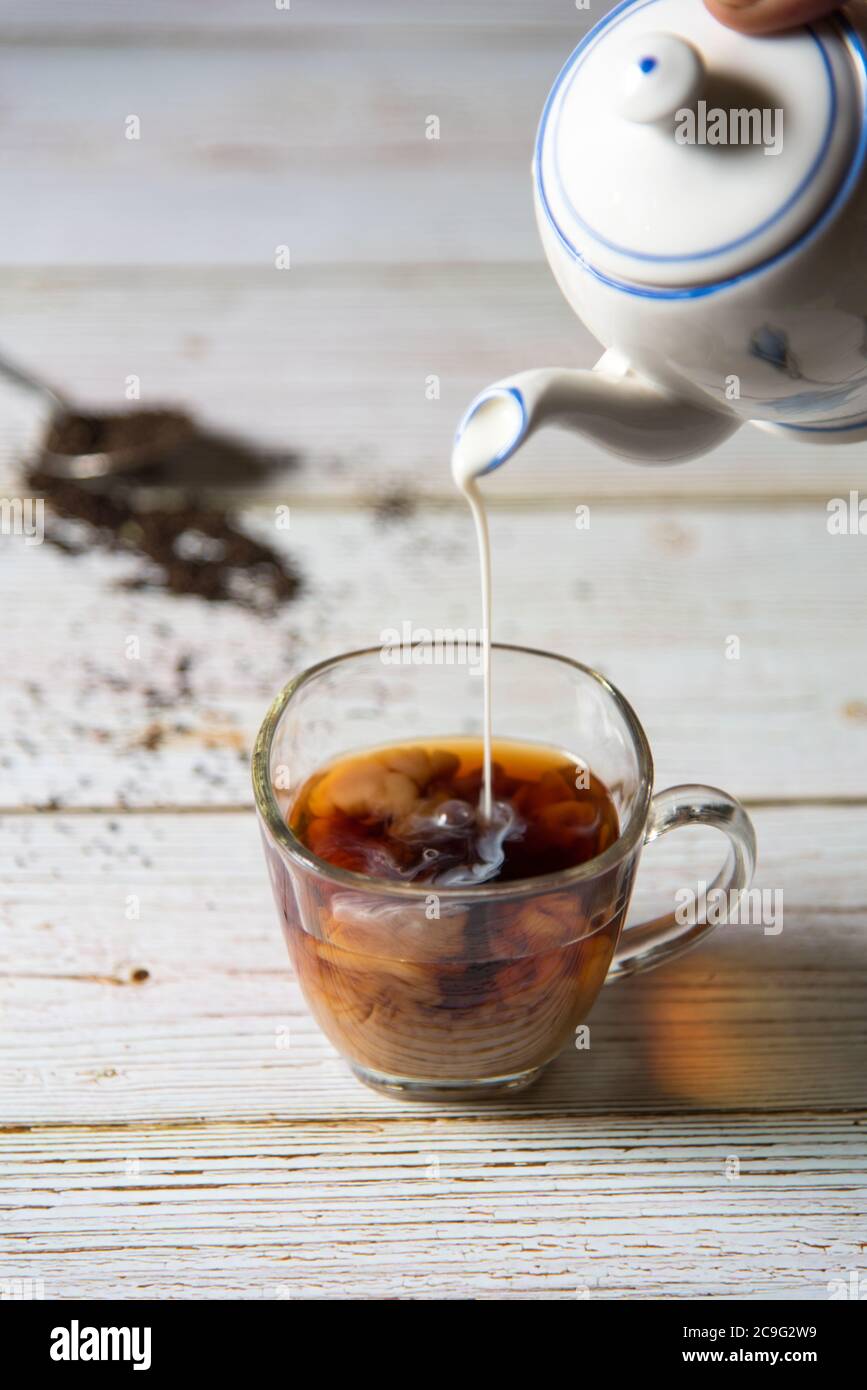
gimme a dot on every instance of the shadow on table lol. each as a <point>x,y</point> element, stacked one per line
<point>744,1022</point>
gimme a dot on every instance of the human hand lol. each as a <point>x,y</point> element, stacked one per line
<point>767,16</point>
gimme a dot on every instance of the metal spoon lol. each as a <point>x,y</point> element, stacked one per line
<point>166,430</point>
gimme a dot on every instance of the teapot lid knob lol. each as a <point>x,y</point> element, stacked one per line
<point>661,74</point>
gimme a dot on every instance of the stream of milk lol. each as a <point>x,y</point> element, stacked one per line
<point>485,436</point>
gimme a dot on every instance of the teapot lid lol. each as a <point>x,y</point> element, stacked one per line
<point>675,152</point>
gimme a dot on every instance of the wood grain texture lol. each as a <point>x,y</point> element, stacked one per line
<point>187,1010</point>
<point>651,600</point>
<point>318,141</point>
<point>558,1208</point>
<point>239,19</point>
<point>172,1123</point>
<point>331,366</point>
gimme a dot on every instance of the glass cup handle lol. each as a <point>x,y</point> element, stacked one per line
<point>650,943</point>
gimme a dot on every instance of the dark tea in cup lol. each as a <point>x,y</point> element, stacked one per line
<point>436,988</point>
<point>410,813</point>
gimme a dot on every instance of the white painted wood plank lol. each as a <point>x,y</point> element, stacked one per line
<point>189,1011</point>
<point>239,19</point>
<point>542,1208</point>
<point>332,364</point>
<point>318,146</point>
<point>651,602</point>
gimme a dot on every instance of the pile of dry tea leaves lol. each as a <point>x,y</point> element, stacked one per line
<point>143,434</point>
<point>183,542</point>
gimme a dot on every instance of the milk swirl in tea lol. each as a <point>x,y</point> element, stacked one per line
<point>453,985</point>
<point>413,813</point>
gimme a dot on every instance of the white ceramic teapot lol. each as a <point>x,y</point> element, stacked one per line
<point>702,200</point>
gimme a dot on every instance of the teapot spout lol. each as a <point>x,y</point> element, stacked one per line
<point>619,410</point>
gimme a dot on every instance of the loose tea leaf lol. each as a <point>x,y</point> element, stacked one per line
<point>185,543</point>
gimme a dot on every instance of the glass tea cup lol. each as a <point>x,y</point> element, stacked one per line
<point>434,992</point>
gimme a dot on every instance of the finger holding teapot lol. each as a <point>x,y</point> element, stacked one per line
<point>767,16</point>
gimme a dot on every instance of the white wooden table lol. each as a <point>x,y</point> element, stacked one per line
<point>174,1124</point>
